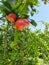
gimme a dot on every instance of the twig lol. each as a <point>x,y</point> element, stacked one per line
<point>5,43</point>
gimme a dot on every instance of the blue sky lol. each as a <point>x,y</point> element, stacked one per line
<point>43,12</point>
<point>43,15</point>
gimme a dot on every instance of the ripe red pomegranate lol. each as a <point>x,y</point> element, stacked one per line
<point>11,17</point>
<point>27,23</point>
<point>20,24</point>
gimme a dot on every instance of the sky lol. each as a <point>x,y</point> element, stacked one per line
<point>43,15</point>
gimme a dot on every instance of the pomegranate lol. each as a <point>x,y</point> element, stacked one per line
<point>20,24</point>
<point>11,17</point>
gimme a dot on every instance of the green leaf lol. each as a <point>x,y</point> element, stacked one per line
<point>7,5</point>
<point>4,9</point>
<point>33,23</point>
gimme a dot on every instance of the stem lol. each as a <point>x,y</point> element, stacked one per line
<point>5,43</point>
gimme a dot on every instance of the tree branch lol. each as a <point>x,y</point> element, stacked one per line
<point>5,43</point>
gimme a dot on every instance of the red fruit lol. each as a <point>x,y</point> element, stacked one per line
<point>19,24</point>
<point>11,17</point>
<point>27,23</point>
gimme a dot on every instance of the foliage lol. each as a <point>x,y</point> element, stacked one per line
<point>45,1</point>
<point>21,47</point>
<point>19,7</point>
<point>26,48</point>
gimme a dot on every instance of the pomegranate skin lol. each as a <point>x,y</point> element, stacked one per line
<point>11,17</point>
<point>27,23</point>
<point>19,24</point>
